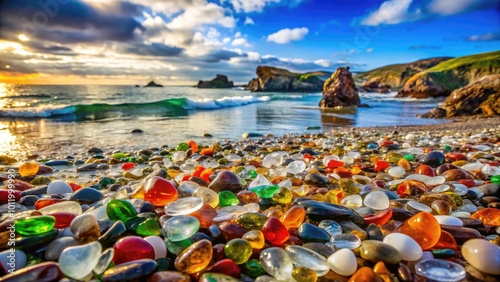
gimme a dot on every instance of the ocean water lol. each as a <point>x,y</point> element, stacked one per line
<point>61,120</point>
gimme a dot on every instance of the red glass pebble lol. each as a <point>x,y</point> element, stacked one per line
<point>227,267</point>
<point>63,219</point>
<point>335,163</point>
<point>275,231</point>
<point>74,186</point>
<point>381,165</point>
<point>5,195</point>
<point>425,170</point>
<point>198,170</point>
<point>20,185</point>
<point>132,248</point>
<point>205,175</point>
<point>451,157</point>
<point>231,230</point>
<point>160,191</point>
<point>128,166</point>
<point>411,187</point>
<point>467,182</point>
<point>379,218</point>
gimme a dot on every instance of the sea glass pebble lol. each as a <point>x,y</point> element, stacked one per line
<point>276,262</point>
<point>130,248</point>
<point>301,256</point>
<point>158,245</point>
<point>483,255</point>
<point>194,258</point>
<point>77,262</point>
<point>330,226</point>
<point>34,225</point>
<point>238,250</point>
<point>448,220</point>
<point>346,240</point>
<point>159,191</point>
<point>409,249</point>
<point>180,227</point>
<point>377,200</point>
<point>440,270</point>
<point>59,187</point>
<point>184,206</point>
<point>343,262</point>
<point>12,260</point>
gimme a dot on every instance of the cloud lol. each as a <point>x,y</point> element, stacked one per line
<point>398,11</point>
<point>492,36</point>
<point>154,49</point>
<point>369,50</point>
<point>248,6</point>
<point>221,55</point>
<point>249,21</point>
<point>428,47</point>
<point>195,17</point>
<point>240,42</point>
<point>287,35</point>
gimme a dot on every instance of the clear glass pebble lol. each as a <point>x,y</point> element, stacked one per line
<point>352,201</point>
<point>417,207</point>
<point>397,172</point>
<point>272,160</point>
<point>440,270</point>
<point>260,180</point>
<point>296,167</point>
<point>377,200</point>
<point>470,208</point>
<point>330,226</point>
<point>347,240</point>
<point>184,206</point>
<point>460,189</point>
<point>441,188</point>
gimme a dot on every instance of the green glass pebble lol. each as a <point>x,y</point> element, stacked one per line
<point>443,253</point>
<point>253,268</point>
<point>177,247</point>
<point>120,210</point>
<point>409,157</point>
<point>227,198</point>
<point>180,227</point>
<point>119,155</point>
<point>253,174</point>
<point>148,228</point>
<point>182,147</point>
<point>132,159</point>
<point>252,220</point>
<point>164,264</point>
<point>35,225</point>
<point>105,181</point>
<point>265,191</point>
<point>393,157</point>
<point>495,179</point>
<point>283,196</point>
<point>41,180</point>
<point>447,148</point>
<point>238,250</point>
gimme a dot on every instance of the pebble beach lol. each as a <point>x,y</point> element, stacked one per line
<point>393,203</point>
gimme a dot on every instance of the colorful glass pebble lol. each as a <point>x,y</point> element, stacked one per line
<point>35,225</point>
<point>238,250</point>
<point>159,191</point>
<point>131,248</point>
<point>120,210</point>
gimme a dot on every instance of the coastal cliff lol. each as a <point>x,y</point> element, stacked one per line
<point>443,78</point>
<point>394,77</point>
<point>339,90</point>
<point>272,79</point>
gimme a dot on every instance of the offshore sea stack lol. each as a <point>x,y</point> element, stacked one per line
<point>339,90</point>
<point>272,79</point>
<point>220,81</point>
<point>480,97</point>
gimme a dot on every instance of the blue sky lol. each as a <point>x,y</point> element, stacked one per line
<point>181,41</point>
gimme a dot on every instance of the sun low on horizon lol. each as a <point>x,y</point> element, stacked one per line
<point>180,42</point>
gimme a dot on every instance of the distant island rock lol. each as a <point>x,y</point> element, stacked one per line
<point>480,97</point>
<point>393,77</point>
<point>153,84</point>
<point>272,79</point>
<point>340,90</point>
<point>443,78</point>
<point>220,81</point>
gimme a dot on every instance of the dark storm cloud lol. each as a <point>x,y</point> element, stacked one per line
<point>69,21</point>
<point>155,49</point>
<point>221,55</point>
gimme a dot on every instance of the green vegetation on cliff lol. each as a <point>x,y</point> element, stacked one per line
<point>281,80</point>
<point>452,74</point>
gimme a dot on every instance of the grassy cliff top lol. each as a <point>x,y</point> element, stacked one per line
<point>397,69</point>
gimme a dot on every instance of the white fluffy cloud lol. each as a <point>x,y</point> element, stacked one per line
<point>248,6</point>
<point>287,35</point>
<point>248,21</point>
<point>398,11</point>
<point>240,42</point>
<point>197,16</point>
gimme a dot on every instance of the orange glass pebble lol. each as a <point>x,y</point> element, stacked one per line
<point>423,228</point>
<point>365,274</point>
<point>294,217</point>
<point>356,170</point>
<point>404,163</point>
<point>410,188</point>
<point>451,157</point>
<point>379,218</point>
<point>446,241</point>
<point>46,202</point>
<point>343,172</point>
<point>198,170</point>
<point>207,152</point>
<point>488,216</point>
<point>335,164</point>
<point>193,146</point>
<point>128,166</point>
<point>205,215</point>
<point>159,191</point>
<point>425,170</point>
<point>28,169</point>
<point>205,174</point>
<point>247,197</point>
<point>255,238</point>
<point>75,186</point>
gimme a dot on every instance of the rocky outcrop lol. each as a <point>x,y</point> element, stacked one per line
<point>339,90</point>
<point>220,81</point>
<point>153,84</point>
<point>272,79</point>
<point>442,79</point>
<point>480,97</point>
<point>393,77</point>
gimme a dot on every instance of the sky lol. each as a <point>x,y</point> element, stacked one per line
<point>179,42</point>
